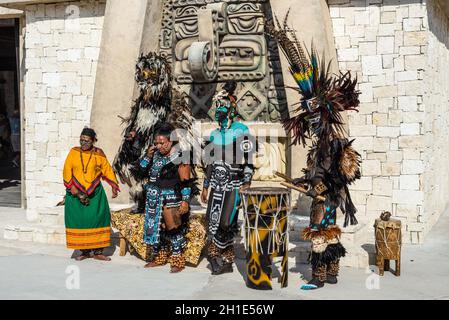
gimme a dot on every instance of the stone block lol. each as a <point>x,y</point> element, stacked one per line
<point>338,25</point>
<point>25,235</point>
<point>406,211</point>
<point>394,144</point>
<point>412,167</point>
<point>406,75</point>
<point>415,62</point>
<point>411,142</point>
<point>409,50</point>
<point>415,226</point>
<point>390,132</point>
<point>385,92</point>
<point>409,182</point>
<point>11,233</point>
<point>408,103</point>
<point>385,45</point>
<point>411,154</point>
<point>412,24</point>
<point>381,144</point>
<point>388,17</point>
<point>379,203</point>
<point>410,129</point>
<point>388,61</point>
<point>364,184</point>
<point>394,156</point>
<point>388,29</point>
<point>367,94</point>
<point>56,238</point>
<point>382,187</point>
<point>92,53</point>
<point>363,143</point>
<point>355,32</point>
<point>381,156</point>
<point>362,131</point>
<point>417,10</point>
<point>371,168</point>
<point>51,79</point>
<point>74,54</point>
<point>367,48</point>
<point>40,236</point>
<point>391,169</point>
<point>408,197</point>
<point>415,38</point>
<point>372,65</point>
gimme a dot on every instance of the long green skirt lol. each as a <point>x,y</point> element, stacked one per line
<point>88,227</point>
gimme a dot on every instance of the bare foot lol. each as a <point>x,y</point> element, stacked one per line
<point>152,264</point>
<point>176,269</point>
<point>101,257</point>
<point>81,257</point>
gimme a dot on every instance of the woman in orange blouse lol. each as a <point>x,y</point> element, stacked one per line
<point>87,214</point>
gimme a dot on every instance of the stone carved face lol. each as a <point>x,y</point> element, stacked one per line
<point>213,41</point>
<point>242,53</point>
<point>237,33</point>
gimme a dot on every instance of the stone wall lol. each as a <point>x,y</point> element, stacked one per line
<point>436,124</point>
<point>61,53</point>
<point>400,127</point>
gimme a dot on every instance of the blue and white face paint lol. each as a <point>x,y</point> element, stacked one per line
<point>221,116</point>
<point>223,112</point>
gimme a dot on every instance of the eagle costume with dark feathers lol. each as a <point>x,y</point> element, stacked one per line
<point>157,103</point>
<point>332,163</point>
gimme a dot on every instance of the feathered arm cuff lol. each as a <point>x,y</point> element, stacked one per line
<point>350,161</point>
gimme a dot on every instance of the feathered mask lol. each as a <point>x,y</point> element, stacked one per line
<point>153,75</point>
<point>324,95</point>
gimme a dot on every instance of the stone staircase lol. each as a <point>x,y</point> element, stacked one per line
<point>49,228</point>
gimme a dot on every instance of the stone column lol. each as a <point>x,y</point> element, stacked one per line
<point>312,21</point>
<point>130,27</point>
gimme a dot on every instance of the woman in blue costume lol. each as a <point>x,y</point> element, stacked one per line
<point>229,171</point>
<point>167,200</point>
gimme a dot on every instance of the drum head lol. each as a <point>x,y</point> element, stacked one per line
<point>266,191</point>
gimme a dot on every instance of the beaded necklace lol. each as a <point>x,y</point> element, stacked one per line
<point>82,163</point>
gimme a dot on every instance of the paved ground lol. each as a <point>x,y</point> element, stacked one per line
<point>36,271</point>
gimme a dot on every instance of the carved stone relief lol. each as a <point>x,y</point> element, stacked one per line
<point>211,41</point>
<point>270,157</point>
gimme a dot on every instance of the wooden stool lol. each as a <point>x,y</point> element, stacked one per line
<point>122,245</point>
<point>388,244</point>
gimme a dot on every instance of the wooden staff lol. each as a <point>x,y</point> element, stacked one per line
<point>300,189</point>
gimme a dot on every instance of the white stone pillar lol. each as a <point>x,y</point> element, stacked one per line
<point>130,27</point>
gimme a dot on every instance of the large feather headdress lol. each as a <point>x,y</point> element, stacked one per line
<point>324,95</point>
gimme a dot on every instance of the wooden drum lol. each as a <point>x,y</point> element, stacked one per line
<point>266,234</point>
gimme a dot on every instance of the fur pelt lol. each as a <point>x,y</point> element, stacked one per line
<point>329,233</point>
<point>332,253</point>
